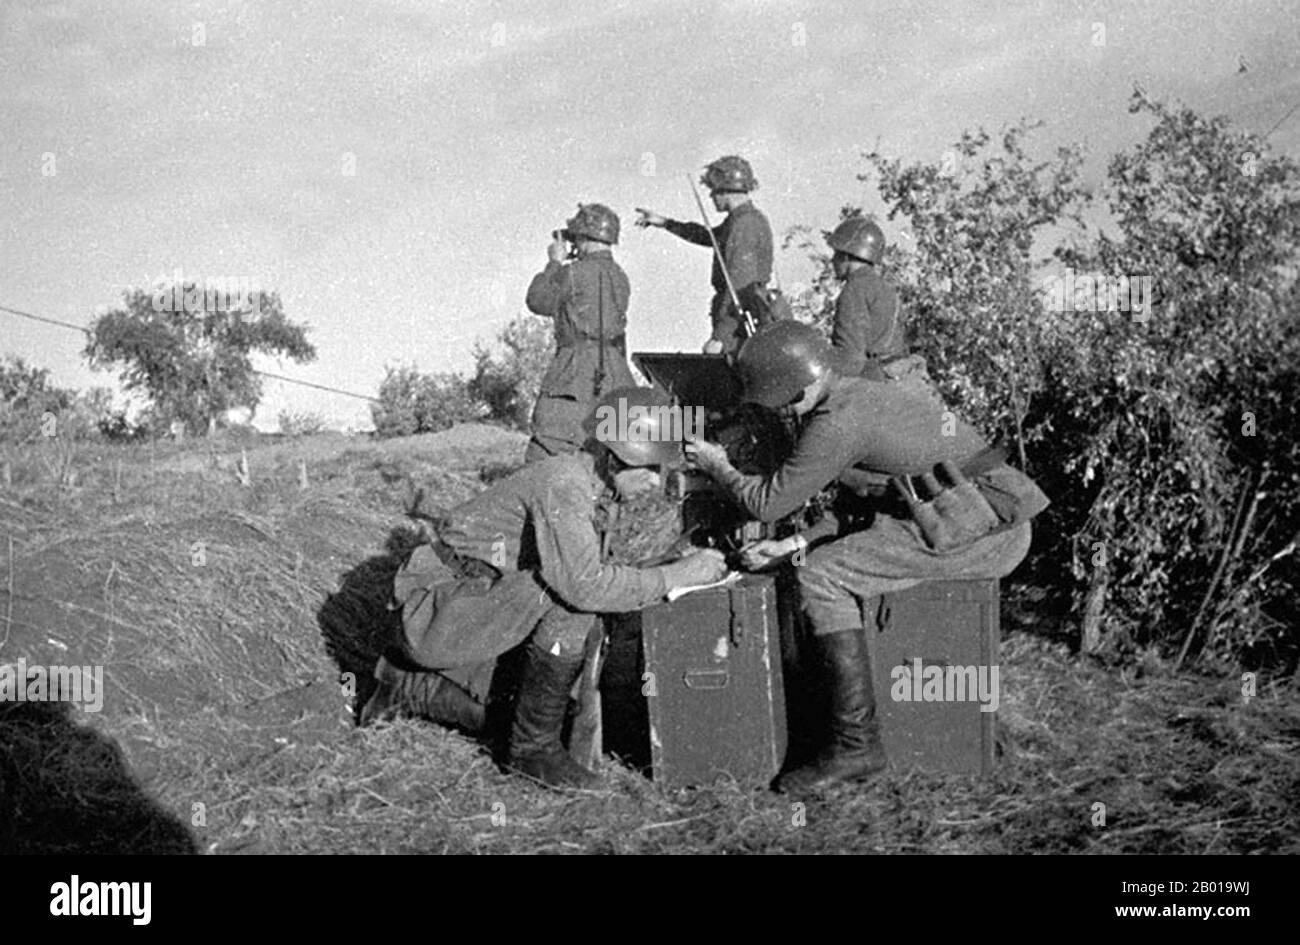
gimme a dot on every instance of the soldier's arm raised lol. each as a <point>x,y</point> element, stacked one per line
<point>691,232</point>
<point>547,289</point>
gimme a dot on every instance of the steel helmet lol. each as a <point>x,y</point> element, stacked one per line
<point>860,238</point>
<point>729,173</point>
<point>636,425</point>
<point>781,360</point>
<point>593,221</point>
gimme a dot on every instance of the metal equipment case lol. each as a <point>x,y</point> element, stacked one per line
<point>713,687</point>
<point>941,623</point>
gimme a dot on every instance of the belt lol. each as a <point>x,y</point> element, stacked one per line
<point>581,341</point>
<point>462,565</point>
<point>861,483</point>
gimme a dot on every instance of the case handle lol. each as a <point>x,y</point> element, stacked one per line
<point>706,679</point>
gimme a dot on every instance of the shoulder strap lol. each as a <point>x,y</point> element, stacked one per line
<point>600,319</point>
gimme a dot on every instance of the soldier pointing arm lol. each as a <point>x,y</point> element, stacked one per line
<point>745,241</point>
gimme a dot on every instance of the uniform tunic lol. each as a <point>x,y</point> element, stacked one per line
<point>745,237</point>
<point>578,296</point>
<point>537,527</point>
<point>883,429</point>
<point>868,322</point>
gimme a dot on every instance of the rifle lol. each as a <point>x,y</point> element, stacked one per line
<point>750,327</point>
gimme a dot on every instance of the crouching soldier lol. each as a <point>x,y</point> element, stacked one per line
<point>973,524</point>
<point>587,299</point>
<point>522,561</point>
<point>869,333</point>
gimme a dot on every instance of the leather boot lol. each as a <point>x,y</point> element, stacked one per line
<point>855,751</point>
<point>425,695</point>
<point>535,747</point>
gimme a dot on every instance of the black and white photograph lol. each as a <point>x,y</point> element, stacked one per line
<point>668,427</point>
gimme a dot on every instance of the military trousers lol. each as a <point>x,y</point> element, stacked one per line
<point>452,622</point>
<point>557,427</point>
<point>839,581</point>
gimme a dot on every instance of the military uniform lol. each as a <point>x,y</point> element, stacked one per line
<point>579,296</point>
<point>869,434</point>
<point>521,559</point>
<point>869,334</point>
<point>745,238</point>
<point>867,431</point>
<point>868,322</point>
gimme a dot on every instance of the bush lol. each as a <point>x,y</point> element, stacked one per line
<point>507,381</point>
<point>116,427</point>
<point>1183,429</point>
<point>300,423</point>
<point>411,402</point>
<point>31,408</point>
<point>1167,440</point>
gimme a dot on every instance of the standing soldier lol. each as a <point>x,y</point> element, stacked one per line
<point>588,299</point>
<point>869,335</point>
<point>975,525</point>
<point>745,241</point>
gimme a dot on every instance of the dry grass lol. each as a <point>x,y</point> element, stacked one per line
<point>233,728</point>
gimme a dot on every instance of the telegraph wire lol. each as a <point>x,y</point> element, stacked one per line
<point>276,377</point>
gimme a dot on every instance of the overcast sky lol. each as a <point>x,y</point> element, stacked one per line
<point>215,138</point>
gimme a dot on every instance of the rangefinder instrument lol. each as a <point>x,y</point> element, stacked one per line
<point>567,237</point>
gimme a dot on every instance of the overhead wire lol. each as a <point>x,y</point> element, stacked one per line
<point>268,374</point>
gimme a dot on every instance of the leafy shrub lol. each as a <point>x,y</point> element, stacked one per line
<point>31,408</point>
<point>300,423</point>
<point>411,402</point>
<point>1166,439</point>
<point>507,380</point>
<point>117,427</point>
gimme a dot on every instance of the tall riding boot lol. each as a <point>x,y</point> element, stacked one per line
<point>535,747</point>
<point>425,695</point>
<point>855,751</point>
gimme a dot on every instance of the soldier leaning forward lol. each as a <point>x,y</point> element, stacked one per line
<point>588,300</point>
<point>523,561</point>
<point>745,238</point>
<point>869,334</point>
<point>974,524</point>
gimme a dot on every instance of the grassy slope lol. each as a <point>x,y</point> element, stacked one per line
<point>225,703</point>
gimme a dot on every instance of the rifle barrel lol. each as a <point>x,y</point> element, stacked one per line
<point>750,327</point>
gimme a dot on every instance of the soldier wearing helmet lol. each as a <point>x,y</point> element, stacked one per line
<point>869,331</point>
<point>587,298</point>
<point>867,434</point>
<point>522,561</point>
<point>745,239</point>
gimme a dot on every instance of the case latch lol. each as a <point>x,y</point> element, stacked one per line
<point>736,602</point>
